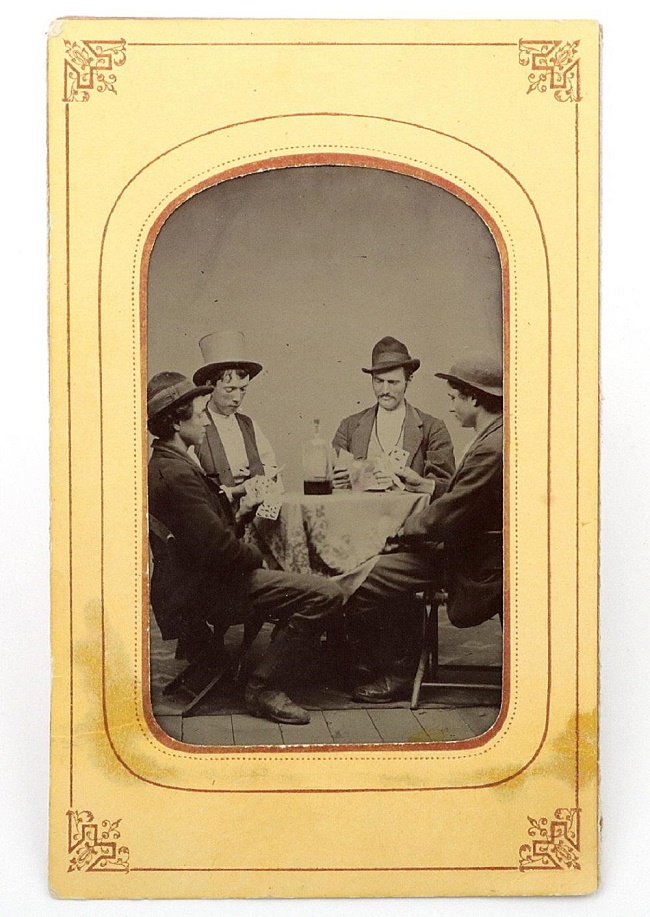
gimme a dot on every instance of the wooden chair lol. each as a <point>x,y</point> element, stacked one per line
<point>199,677</point>
<point>435,604</point>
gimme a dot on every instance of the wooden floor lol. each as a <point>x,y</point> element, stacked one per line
<point>334,727</point>
<point>444,715</point>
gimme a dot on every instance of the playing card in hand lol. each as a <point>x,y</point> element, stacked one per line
<point>270,509</point>
<point>399,458</point>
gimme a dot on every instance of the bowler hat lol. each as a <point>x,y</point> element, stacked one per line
<point>479,370</point>
<point>224,350</point>
<point>389,353</point>
<point>169,390</point>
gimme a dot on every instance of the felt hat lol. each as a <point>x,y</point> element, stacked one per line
<point>224,350</point>
<point>480,371</point>
<point>389,353</point>
<point>168,390</point>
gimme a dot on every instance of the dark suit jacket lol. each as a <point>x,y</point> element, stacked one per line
<point>202,573</point>
<point>466,519</point>
<point>426,439</point>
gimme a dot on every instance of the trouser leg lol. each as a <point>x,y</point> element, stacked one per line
<point>389,594</point>
<point>305,604</point>
<point>302,602</point>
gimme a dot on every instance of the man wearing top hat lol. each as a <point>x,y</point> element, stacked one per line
<point>467,519</point>
<point>234,448</point>
<point>205,578</point>
<point>392,423</point>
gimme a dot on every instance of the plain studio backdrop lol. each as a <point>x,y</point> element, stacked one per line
<point>315,264</point>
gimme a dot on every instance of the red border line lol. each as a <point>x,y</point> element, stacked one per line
<point>297,161</point>
<point>578,596</point>
<point>323,44</point>
<point>102,570</point>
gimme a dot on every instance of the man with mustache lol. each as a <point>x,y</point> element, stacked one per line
<point>392,423</point>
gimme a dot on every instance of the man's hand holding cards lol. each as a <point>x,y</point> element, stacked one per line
<point>265,492</point>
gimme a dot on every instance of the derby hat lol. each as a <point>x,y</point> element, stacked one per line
<point>224,350</point>
<point>169,390</point>
<point>389,353</point>
<point>478,370</point>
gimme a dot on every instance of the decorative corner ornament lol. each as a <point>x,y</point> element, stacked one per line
<point>555,66</point>
<point>93,848</point>
<point>88,65</point>
<point>556,845</point>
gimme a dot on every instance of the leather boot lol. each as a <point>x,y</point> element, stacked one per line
<point>398,642</point>
<point>395,684</point>
<point>383,690</point>
<point>264,695</point>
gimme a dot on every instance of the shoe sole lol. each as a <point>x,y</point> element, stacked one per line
<point>277,719</point>
<point>381,700</point>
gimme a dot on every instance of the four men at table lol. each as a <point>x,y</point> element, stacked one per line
<point>213,579</point>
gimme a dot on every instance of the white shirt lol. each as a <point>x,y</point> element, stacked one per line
<point>235,449</point>
<point>388,431</point>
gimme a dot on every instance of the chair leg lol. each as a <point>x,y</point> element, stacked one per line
<point>419,675</point>
<point>430,645</point>
<point>429,638</point>
<point>194,682</point>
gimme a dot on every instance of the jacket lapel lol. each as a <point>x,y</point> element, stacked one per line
<point>493,425</point>
<point>169,452</point>
<point>412,433</point>
<point>360,438</point>
<point>213,488</point>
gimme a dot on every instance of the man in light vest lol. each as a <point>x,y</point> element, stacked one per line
<point>234,449</point>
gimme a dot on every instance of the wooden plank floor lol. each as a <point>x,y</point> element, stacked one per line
<point>445,714</point>
<point>334,727</point>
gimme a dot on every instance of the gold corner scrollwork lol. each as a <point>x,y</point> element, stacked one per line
<point>93,847</point>
<point>556,842</point>
<point>89,66</point>
<point>555,66</point>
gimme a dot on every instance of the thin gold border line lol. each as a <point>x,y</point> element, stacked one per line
<point>69,404</point>
<point>549,425</point>
<point>577,685</point>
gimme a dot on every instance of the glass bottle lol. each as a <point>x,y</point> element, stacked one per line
<point>316,464</point>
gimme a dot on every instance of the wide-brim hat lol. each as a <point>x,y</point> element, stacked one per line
<point>480,371</point>
<point>169,390</point>
<point>224,350</point>
<point>389,353</point>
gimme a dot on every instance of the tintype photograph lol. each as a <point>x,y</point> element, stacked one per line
<point>325,404</point>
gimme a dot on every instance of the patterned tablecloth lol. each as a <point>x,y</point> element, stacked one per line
<point>339,535</point>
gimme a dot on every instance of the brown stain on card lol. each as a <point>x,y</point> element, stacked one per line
<point>125,748</point>
<point>571,756</point>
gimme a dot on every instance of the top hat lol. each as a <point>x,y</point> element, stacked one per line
<point>479,370</point>
<point>389,353</point>
<point>224,350</point>
<point>167,390</point>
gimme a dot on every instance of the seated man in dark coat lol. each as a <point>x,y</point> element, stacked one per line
<point>211,579</point>
<point>468,519</point>
<point>392,423</point>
